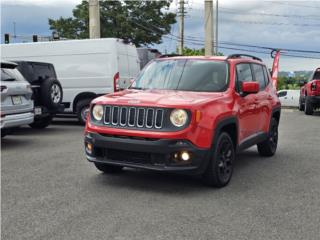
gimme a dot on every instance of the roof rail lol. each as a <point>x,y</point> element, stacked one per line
<point>243,55</point>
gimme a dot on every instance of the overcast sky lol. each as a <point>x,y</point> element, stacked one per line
<point>280,24</point>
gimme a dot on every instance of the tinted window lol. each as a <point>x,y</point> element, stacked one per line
<point>282,94</point>
<point>266,75</point>
<point>244,74</point>
<point>43,71</point>
<point>259,75</point>
<point>185,75</point>
<point>316,74</point>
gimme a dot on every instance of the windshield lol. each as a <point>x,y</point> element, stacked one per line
<point>184,75</point>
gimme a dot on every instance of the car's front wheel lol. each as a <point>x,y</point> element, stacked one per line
<point>301,105</point>
<point>107,168</point>
<point>220,168</point>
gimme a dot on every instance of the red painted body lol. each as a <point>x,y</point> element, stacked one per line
<point>312,87</point>
<point>253,111</point>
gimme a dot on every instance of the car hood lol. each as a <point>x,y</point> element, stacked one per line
<point>160,98</point>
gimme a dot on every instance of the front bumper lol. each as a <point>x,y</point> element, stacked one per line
<point>152,154</point>
<point>16,120</point>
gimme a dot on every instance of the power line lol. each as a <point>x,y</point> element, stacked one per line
<point>287,3</point>
<point>199,42</point>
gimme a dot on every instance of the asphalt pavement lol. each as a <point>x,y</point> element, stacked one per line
<point>49,191</point>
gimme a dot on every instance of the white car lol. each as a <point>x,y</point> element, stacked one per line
<point>289,98</point>
<point>16,102</point>
<point>85,68</point>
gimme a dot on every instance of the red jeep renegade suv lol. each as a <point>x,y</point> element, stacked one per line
<point>186,114</point>
<point>310,94</point>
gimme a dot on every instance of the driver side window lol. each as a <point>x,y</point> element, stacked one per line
<point>244,74</point>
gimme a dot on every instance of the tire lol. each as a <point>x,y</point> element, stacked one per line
<point>41,123</point>
<point>301,105</point>
<point>308,108</point>
<point>82,109</point>
<point>269,147</point>
<point>51,93</point>
<point>107,168</point>
<point>220,168</point>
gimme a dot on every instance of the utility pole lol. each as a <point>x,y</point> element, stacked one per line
<point>216,21</point>
<point>94,19</point>
<point>208,27</point>
<point>181,30</point>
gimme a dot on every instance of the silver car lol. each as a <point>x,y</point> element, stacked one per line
<point>16,102</point>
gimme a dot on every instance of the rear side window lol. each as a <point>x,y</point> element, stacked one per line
<point>259,75</point>
<point>282,94</point>
<point>43,71</point>
<point>266,75</point>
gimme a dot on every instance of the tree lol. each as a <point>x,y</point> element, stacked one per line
<point>195,52</point>
<point>140,22</point>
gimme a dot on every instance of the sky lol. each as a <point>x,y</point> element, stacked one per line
<point>278,24</point>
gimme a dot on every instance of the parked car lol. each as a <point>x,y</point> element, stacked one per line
<point>310,93</point>
<point>46,88</point>
<point>188,115</point>
<point>85,68</point>
<point>16,102</point>
<point>289,98</point>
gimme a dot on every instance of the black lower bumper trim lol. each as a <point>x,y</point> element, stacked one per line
<point>155,154</point>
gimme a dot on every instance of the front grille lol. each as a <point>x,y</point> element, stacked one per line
<point>136,117</point>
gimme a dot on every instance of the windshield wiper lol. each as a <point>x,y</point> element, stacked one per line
<point>137,88</point>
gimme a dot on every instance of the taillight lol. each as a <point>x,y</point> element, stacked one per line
<point>313,86</point>
<point>3,88</point>
<point>116,83</point>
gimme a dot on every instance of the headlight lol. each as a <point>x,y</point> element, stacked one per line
<point>179,117</point>
<point>97,112</point>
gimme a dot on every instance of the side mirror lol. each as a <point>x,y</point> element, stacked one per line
<point>250,87</point>
<point>302,83</point>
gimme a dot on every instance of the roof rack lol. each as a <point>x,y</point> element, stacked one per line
<point>243,55</point>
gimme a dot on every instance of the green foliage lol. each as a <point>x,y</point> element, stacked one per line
<point>195,52</point>
<point>140,22</point>
<point>289,82</point>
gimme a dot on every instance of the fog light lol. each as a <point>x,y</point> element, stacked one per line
<point>89,148</point>
<point>185,156</point>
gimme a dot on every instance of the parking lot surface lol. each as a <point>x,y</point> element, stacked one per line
<point>50,191</point>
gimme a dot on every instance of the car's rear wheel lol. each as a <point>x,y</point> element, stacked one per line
<point>41,122</point>
<point>308,107</point>
<point>269,147</point>
<point>51,93</point>
<point>220,168</point>
<point>82,110</point>
<point>107,168</point>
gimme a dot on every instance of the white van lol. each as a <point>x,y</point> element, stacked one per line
<point>289,98</point>
<point>85,68</point>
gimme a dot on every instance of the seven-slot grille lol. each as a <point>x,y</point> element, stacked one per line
<point>135,117</point>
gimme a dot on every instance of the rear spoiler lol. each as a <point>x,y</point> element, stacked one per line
<point>275,54</point>
<point>9,65</point>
